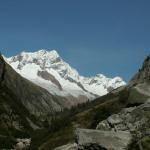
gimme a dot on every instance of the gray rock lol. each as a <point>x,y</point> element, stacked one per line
<point>105,140</point>
<point>47,76</point>
<point>22,144</point>
<point>129,119</point>
<point>67,147</point>
<point>2,64</point>
<point>115,119</point>
<point>143,74</point>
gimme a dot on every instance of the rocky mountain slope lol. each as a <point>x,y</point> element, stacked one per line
<point>121,118</point>
<point>15,119</point>
<point>48,70</point>
<point>118,120</point>
<point>143,75</point>
<point>23,106</point>
<point>36,99</point>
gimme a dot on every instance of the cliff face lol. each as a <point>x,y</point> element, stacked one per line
<point>144,73</point>
<point>2,64</point>
<point>140,84</point>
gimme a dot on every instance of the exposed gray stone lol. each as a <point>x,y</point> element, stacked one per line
<point>47,76</point>
<point>144,73</point>
<point>105,140</point>
<point>22,144</point>
<point>67,147</point>
<point>115,119</point>
<point>129,119</point>
<point>2,65</point>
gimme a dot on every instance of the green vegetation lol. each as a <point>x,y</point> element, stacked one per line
<point>6,142</point>
<point>59,132</point>
<point>88,116</point>
<point>62,127</point>
<point>58,138</point>
<point>104,107</point>
<point>57,129</point>
<point>146,143</point>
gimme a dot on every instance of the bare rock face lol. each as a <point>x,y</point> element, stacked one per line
<point>118,122</point>
<point>102,140</point>
<point>129,119</point>
<point>2,65</point>
<point>144,73</point>
<point>134,120</point>
<point>47,76</point>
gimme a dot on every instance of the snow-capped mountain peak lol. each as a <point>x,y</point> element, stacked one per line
<point>51,55</point>
<point>50,71</point>
<point>39,55</point>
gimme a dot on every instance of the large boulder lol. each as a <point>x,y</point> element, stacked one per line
<point>102,140</point>
<point>22,144</point>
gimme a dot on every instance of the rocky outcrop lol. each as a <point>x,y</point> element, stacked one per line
<point>144,89</point>
<point>134,120</point>
<point>102,140</point>
<point>118,131</point>
<point>129,119</point>
<point>47,76</point>
<point>22,144</point>
<point>129,127</point>
<point>87,139</point>
<point>2,65</point>
<point>144,73</point>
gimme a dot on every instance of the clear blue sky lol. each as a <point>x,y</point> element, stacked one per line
<point>95,36</point>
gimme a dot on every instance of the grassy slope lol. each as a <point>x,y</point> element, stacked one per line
<point>89,115</point>
<point>63,127</point>
<point>85,116</point>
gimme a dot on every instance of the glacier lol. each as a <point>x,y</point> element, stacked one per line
<point>54,70</point>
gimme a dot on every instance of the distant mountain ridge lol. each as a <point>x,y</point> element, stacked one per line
<point>120,119</point>
<point>48,70</point>
<point>31,113</point>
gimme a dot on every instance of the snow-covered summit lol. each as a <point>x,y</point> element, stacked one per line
<point>50,71</point>
<point>41,55</point>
